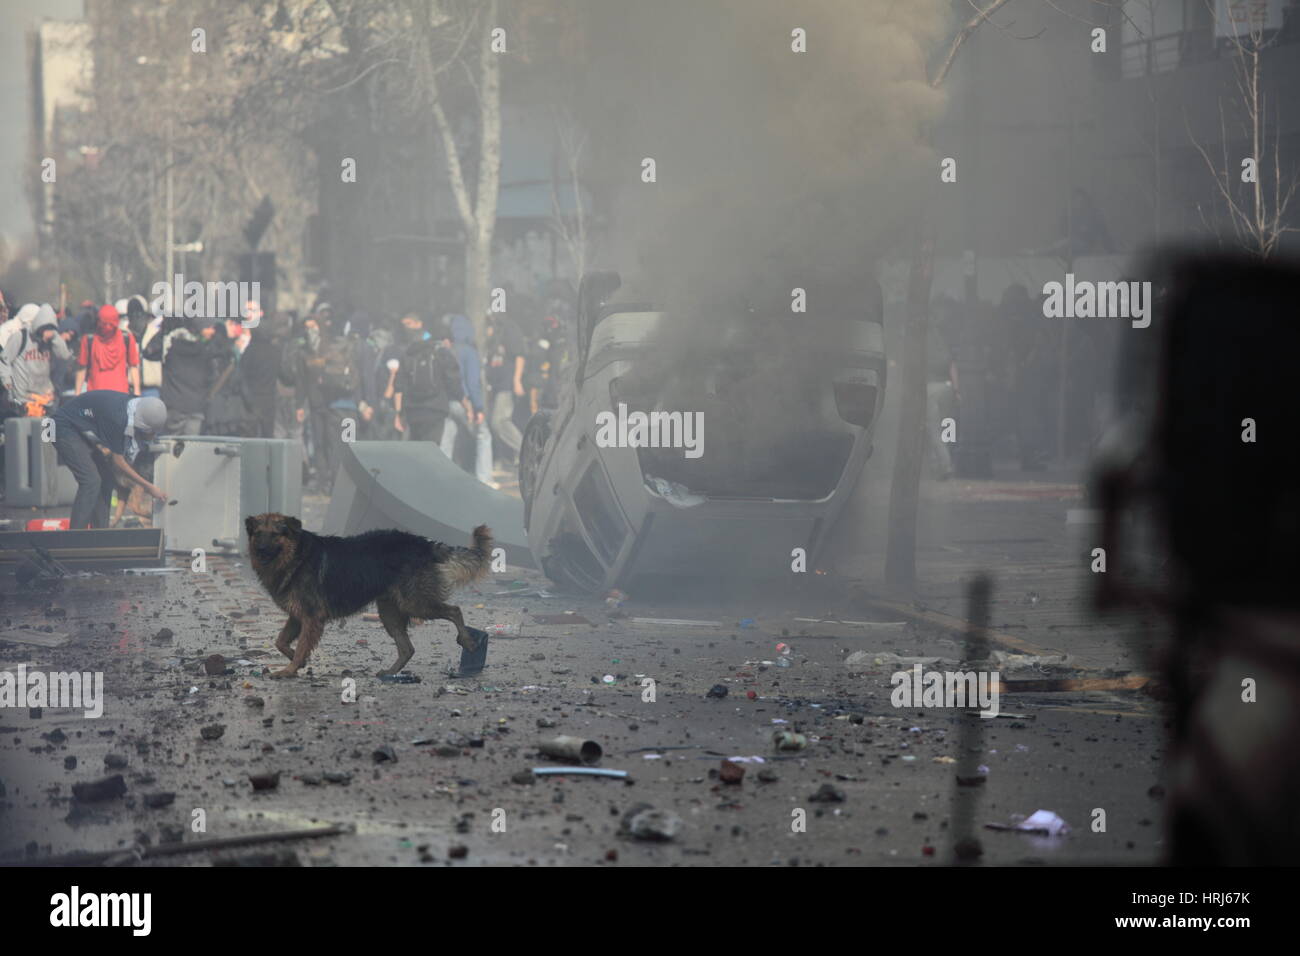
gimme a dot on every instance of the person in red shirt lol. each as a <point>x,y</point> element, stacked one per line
<point>109,359</point>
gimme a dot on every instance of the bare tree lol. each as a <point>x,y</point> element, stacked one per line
<point>904,496</point>
<point>476,203</point>
<point>571,227</point>
<point>1257,213</point>
<point>905,487</point>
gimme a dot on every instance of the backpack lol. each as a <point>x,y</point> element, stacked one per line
<point>336,370</point>
<point>425,378</point>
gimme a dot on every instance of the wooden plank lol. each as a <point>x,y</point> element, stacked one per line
<point>34,638</point>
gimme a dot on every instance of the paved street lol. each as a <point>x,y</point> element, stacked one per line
<point>877,783</point>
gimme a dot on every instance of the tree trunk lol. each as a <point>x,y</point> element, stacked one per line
<point>478,259</point>
<point>904,491</point>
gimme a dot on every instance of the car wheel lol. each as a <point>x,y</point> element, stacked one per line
<point>531,451</point>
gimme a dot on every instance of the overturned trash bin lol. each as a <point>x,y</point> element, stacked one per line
<point>413,486</point>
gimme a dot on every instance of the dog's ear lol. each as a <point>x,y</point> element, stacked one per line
<point>292,525</point>
<point>250,524</point>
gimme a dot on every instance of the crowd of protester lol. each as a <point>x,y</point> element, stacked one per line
<point>314,377</point>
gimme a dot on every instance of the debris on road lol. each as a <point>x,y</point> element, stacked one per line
<point>575,749</point>
<point>644,822</point>
<point>672,622</point>
<point>577,771</point>
<point>109,788</point>
<point>1040,823</point>
<point>789,740</point>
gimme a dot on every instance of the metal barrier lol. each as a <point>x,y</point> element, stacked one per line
<point>33,476</point>
<point>213,482</point>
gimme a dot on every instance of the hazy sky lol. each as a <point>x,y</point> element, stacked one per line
<point>16,16</point>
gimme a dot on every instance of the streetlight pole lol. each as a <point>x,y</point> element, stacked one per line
<point>171,243</point>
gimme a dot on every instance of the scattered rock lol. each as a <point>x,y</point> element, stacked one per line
<point>110,788</point>
<point>717,691</point>
<point>156,801</point>
<point>386,753</point>
<point>644,822</point>
<point>731,772</point>
<point>213,731</point>
<point>214,666</point>
<point>115,761</point>
<point>265,781</point>
<point>827,794</point>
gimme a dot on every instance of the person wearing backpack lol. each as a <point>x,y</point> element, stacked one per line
<point>110,358</point>
<point>25,371</point>
<point>333,385</point>
<point>426,381</point>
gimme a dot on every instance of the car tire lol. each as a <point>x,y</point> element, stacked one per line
<point>531,453</point>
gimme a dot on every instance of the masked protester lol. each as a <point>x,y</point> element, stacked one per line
<point>100,435</point>
<point>427,381</point>
<point>110,359</point>
<point>22,319</point>
<point>25,373</point>
<point>187,373</point>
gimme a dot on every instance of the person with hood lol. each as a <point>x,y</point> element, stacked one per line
<point>63,371</point>
<point>187,373</point>
<point>110,358</point>
<point>471,411</point>
<point>25,373</point>
<point>428,380</point>
<point>146,328</point>
<point>99,435</point>
<point>22,319</point>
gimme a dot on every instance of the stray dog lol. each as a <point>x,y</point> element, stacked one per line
<point>318,578</point>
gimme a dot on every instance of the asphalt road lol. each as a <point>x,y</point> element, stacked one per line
<point>436,772</point>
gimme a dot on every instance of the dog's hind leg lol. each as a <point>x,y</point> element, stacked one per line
<point>395,622</point>
<point>309,637</point>
<point>450,612</point>
<point>288,634</point>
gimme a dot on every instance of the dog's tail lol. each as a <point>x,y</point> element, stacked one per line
<point>469,564</point>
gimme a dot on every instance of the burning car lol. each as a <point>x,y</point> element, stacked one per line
<point>711,456</point>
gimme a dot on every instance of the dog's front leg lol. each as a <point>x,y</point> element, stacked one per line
<point>307,641</point>
<point>288,634</point>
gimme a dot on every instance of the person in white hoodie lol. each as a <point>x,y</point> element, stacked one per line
<point>25,372</point>
<point>22,319</point>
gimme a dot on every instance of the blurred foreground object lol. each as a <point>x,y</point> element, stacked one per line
<point>1198,486</point>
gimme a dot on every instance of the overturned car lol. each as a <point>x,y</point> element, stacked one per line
<point>704,455</point>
